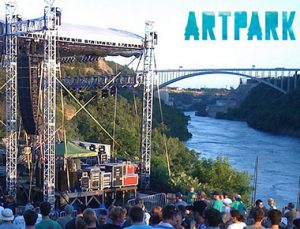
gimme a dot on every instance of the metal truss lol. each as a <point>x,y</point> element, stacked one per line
<point>11,49</point>
<point>49,100</point>
<point>148,75</point>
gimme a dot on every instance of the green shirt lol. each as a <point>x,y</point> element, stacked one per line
<point>218,205</point>
<point>240,206</point>
<point>192,196</point>
<point>48,224</point>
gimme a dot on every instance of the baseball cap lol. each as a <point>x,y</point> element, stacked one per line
<point>198,206</point>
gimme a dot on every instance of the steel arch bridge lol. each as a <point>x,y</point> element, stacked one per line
<point>273,77</point>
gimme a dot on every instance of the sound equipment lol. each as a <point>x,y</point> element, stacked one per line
<point>24,92</point>
<point>95,179</point>
<point>116,171</point>
<point>131,180</point>
<point>105,180</point>
<point>85,181</point>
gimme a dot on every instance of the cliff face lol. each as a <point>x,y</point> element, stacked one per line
<point>233,100</point>
<point>269,110</point>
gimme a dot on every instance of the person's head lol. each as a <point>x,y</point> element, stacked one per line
<point>275,216</point>
<point>117,215</point>
<point>238,197</point>
<point>45,208</point>
<point>30,217</point>
<point>258,214</point>
<point>80,223</point>
<point>271,202</point>
<point>296,222</point>
<point>192,189</point>
<point>236,216</point>
<point>7,215</point>
<point>156,215</point>
<point>227,202</point>
<point>216,195</point>
<point>80,209</point>
<point>202,196</point>
<point>169,214</point>
<point>178,220</point>
<point>225,195</point>
<point>178,196</point>
<point>89,217</point>
<point>68,210</point>
<point>102,216</point>
<point>291,206</point>
<point>212,217</point>
<point>259,203</point>
<point>198,209</point>
<point>136,214</point>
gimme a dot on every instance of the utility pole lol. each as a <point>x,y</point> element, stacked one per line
<point>11,51</point>
<point>148,80</point>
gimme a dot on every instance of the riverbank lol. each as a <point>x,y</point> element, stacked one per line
<point>279,167</point>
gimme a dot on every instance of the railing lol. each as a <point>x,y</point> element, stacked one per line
<point>151,200</point>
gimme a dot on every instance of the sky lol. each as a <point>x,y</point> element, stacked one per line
<point>170,17</point>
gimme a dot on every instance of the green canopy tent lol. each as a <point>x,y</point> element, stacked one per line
<point>73,151</point>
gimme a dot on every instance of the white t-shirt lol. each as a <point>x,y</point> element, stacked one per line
<point>20,222</point>
<point>240,225</point>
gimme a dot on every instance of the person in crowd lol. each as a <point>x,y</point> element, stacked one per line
<point>198,209</point>
<point>80,223</point>
<point>63,220</point>
<point>169,213</point>
<point>226,217</point>
<point>30,218</point>
<point>237,220</point>
<point>217,202</point>
<point>117,217</point>
<point>19,219</point>
<point>274,217</point>
<point>136,215</point>
<point>71,224</point>
<point>102,217</point>
<point>90,219</point>
<point>296,223</point>
<point>127,222</point>
<point>213,218</point>
<point>156,215</point>
<point>38,212</point>
<point>179,200</point>
<point>178,220</point>
<point>202,196</point>
<point>258,216</point>
<point>237,204</point>
<point>192,196</point>
<point>291,215</point>
<point>271,203</point>
<point>226,207</point>
<point>46,222</point>
<point>7,217</point>
<point>258,205</point>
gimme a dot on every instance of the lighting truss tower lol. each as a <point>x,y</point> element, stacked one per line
<point>49,100</point>
<point>11,100</point>
<point>148,80</point>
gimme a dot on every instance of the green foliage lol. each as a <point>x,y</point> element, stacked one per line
<point>269,110</point>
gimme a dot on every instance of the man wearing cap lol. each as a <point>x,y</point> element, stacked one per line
<point>63,220</point>
<point>7,218</point>
<point>198,210</point>
<point>179,200</point>
<point>217,203</point>
<point>237,204</point>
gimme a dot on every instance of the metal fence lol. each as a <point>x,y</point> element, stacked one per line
<point>150,200</point>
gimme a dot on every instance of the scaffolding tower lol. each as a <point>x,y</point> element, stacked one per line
<point>11,51</point>
<point>148,80</point>
<point>49,99</point>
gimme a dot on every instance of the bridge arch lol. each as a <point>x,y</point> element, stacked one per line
<point>223,73</point>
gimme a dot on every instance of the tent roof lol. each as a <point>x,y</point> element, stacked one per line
<point>73,151</point>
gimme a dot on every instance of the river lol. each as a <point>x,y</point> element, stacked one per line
<point>279,156</point>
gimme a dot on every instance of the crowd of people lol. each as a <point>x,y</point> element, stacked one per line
<point>195,211</point>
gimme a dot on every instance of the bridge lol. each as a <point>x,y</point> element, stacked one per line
<point>281,79</point>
